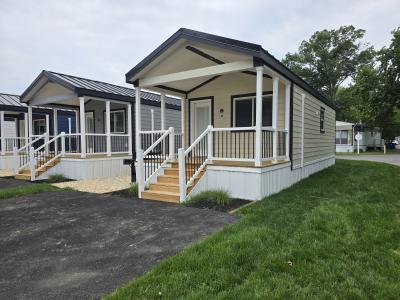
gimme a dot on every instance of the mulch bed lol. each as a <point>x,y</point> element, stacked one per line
<point>233,204</point>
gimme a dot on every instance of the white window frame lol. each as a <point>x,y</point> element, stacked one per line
<point>115,124</point>
<point>33,126</point>
<point>348,137</point>
<point>253,103</point>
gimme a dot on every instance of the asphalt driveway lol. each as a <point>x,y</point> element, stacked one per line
<point>75,245</point>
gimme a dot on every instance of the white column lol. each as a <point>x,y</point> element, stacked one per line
<point>26,128</point>
<point>138,120</point>
<point>183,110</point>
<point>108,128</point>
<point>302,129</point>
<point>163,111</point>
<point>30,122</point>
<point>129,128</point>
<point>55,128</point>
<point>259,87</point>
<point>287,117</point>
<point>152,119</point>
<point>76,121</point>
<point>275,96</point>
<point>3,140</point>
<point>47,132</point>
<point>182,176</point>
<point>82,123</point>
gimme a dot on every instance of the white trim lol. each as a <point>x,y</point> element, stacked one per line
<point>275,95</point>
<point>253,100</point>
<point>2,132</point>
<point>259,103</point>
<point>138,119</point>
<point>302,129</point>
<point>129,128</point>
<point>108,127</point>
<point>197,73</point>
<point>287,117</point>
<point>162,99</point>
<point>83,125</point>
<point>183,122</point>
<point>34,125</point>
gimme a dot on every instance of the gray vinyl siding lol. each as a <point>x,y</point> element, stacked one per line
<point>173,117</point>
<point>317,145</point>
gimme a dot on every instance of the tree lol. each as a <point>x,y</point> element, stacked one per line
<point>330,57</point>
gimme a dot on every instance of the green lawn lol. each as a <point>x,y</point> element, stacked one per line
<point>26,190</point>
<point>333,235</point>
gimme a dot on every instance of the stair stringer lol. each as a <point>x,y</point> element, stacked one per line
<point>200,186</point>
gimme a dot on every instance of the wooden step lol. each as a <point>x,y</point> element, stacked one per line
<point>161,196</point>
<point>164,187</point>
<point>23,177</point>
<point>168,178</point>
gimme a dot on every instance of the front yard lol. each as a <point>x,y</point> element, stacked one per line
<point>334,235</point>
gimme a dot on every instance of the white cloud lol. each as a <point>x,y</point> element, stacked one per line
<point>103,39</point>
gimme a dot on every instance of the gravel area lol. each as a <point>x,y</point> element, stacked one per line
<point>98,186</point>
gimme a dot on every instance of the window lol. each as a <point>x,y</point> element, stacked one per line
<point>322,120</point>
<point>117,121</point>
<point>39,126</point>
<point>244,111</point>
<point>342,137</point>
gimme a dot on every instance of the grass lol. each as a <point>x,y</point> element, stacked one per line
<point>218,197</point>
<point>56,178</point>
<point>133,190</point>
<point>335,235</point>
<point>26,190</point>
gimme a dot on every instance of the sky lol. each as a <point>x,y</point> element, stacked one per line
<point>104,39</point>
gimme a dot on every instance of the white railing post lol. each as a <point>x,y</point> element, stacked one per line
<point>108,128</point>
<point>172,143</point>
<point>15,155</point>
<point>82,124</point>
<point>183,122</point>
<point>47,136</point>
<point>55,128</point>
<point>259,87</point>
<point>140,171</point>
<point>275,95</point>
<point>2,137</point>
<point>32,163</point>
<point>63,144</point>
<point>182,176</point>
<point>129,129</point>
<point>210,143</point>
<point>138,119</point>
<point>26,128</point>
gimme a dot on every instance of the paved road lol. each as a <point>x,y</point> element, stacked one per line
<point>75,245</point>
<point>393,159</point>
<point>11,182</point>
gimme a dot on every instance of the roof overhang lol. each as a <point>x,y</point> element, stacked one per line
<point>184,36</point>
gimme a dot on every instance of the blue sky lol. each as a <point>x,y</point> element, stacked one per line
<point>103,39</point>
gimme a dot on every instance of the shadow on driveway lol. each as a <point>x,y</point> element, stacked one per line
<point>69,244</point>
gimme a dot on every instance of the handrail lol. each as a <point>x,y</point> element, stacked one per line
<point>151,131</point>
<point>208,129</point>
<point>156,142</point>
<point>32,142</point>
<point>47,143</point>
<point>234,129</point>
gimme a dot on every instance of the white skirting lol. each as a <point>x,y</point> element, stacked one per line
<point>89,168</point>
<point>256,183</point>
<point>9,162</point>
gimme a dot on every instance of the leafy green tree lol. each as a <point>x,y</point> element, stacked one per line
<point>329,58</point>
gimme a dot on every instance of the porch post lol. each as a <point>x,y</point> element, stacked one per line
<point>275,95</point>
<point>108,128</point>
<point>163,111</point>
<point>138,120</point>
<point>259,87</point>
<point>3,140</point>
<point>83,127</point>
<point>129,128</point>
<point>287,116</point>
<point>183,109</point>
<point>26,128</point>
<point>55,128</point>
<point>30,122</point>
<point>76,122</point>
<point>47,132</point>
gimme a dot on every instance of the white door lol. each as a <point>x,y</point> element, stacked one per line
<point>200,117</point>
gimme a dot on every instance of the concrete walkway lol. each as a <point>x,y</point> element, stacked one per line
<point>98,186</point>
<point>74,245</point>
<point>393,159</point>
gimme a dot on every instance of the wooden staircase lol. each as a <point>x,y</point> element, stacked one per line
<point>167,186</point>
<point>25,174</point>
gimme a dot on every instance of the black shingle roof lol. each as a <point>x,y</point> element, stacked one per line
<point>95,88</point>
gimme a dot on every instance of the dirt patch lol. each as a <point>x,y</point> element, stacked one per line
<point>233,204</point>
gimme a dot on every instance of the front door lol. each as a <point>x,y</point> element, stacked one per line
<point>200,117</point>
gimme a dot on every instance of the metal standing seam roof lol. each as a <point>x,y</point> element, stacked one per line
<point>11,100</point>
<point>89,87</point>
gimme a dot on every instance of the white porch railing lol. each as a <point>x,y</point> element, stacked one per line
<point>23,152</point>
<point>12,143</point>
<point>151,161</point>
<point>193,160</point>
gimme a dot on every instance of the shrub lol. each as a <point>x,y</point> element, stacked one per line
<point>217,197</point>
<point>57,178</point>
<point>133,190</point>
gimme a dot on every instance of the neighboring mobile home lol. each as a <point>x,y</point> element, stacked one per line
<point>104,122</point>
<point>371,138</point>
<point>14,128</point>
<point>250,125</point>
